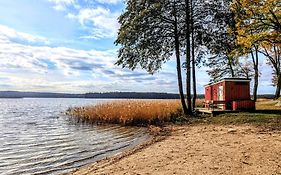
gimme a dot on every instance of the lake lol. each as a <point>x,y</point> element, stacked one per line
<point>36,137</point>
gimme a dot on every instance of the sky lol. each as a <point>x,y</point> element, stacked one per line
<point>68,46</point>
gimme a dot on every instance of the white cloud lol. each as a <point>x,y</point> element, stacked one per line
<point>70,16</point>
<point>101,22</point>
<point>61,5</point>
<point>109,1</point>
<point>10,34</point>
<point>44,68</point>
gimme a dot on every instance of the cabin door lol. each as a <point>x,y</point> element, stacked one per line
<point>220,93</point>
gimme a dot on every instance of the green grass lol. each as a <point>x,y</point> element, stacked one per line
<point>245,118</point>
<point>268,120</point>
<point>267,115</point>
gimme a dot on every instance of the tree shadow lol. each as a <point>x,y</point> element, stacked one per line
<point>267,111</point>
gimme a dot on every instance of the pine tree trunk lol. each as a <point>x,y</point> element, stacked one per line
<point>278,86</point>
<point>188,72</point>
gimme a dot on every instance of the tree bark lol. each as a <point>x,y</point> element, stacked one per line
<point>193,59</point>
<point>278,86</point>
<point>230,62</point>
<point>256,70</point>
<point>177,48</point>
<point>188,73</point>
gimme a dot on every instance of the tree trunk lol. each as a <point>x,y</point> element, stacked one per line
<point>193,60</point>
<point>256,84</point>
<point>256,70</point>
<point>184,107</point>
<point>274,59</point>
<point>277,67</point>
<point>230,63</point>
<point>177,48</point>
<point>278,86</point>
<point>188,75</point>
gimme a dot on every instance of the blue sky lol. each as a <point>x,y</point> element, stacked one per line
<point>67,46</point>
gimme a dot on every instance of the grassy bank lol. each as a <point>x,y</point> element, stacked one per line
<point>267,115</point>
<point>129,112</point>
<point>270,121</point>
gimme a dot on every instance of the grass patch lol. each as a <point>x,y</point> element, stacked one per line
<point>268,104</point>
<point>244,118</point>
<point>263,120</point>
<point>266,116</point>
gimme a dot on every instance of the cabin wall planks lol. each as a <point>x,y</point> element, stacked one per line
<point>234,91</point>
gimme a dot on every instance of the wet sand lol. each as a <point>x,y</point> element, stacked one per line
<point>200,149</point>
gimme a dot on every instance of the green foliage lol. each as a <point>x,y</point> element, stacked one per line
<point>212,24</point>
<point>150,33</point>
<point>147,34</point>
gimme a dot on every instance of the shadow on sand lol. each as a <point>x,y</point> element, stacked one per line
<point>274,111</point>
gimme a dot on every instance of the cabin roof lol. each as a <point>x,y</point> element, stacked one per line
<point>230,79</point>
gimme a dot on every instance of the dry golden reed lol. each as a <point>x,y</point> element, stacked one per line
<point>128,112</point>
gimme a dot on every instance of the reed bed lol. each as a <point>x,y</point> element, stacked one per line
<point>129,112</point>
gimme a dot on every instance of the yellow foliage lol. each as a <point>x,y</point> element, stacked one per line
<point>257,21</point>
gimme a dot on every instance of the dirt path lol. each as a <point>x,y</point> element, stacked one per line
<point>203,149</point>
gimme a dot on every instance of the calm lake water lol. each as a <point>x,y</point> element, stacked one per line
<point>37,138</point>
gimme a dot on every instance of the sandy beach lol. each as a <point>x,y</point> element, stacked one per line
<point>200,149</point>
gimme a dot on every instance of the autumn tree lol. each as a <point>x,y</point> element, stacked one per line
<point>258,25</point>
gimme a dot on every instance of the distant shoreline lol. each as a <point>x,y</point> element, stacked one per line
<point>106,95</point>
<point>11,97</point>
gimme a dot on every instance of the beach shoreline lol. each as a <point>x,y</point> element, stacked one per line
<point>157,135</point>
<point>198,149</point>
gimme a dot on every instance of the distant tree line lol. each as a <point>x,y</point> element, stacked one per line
<point>132,95</point>
<point>107,95</point>
<point>225,35</point>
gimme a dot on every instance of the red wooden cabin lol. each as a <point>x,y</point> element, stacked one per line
<point>229,94</point>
